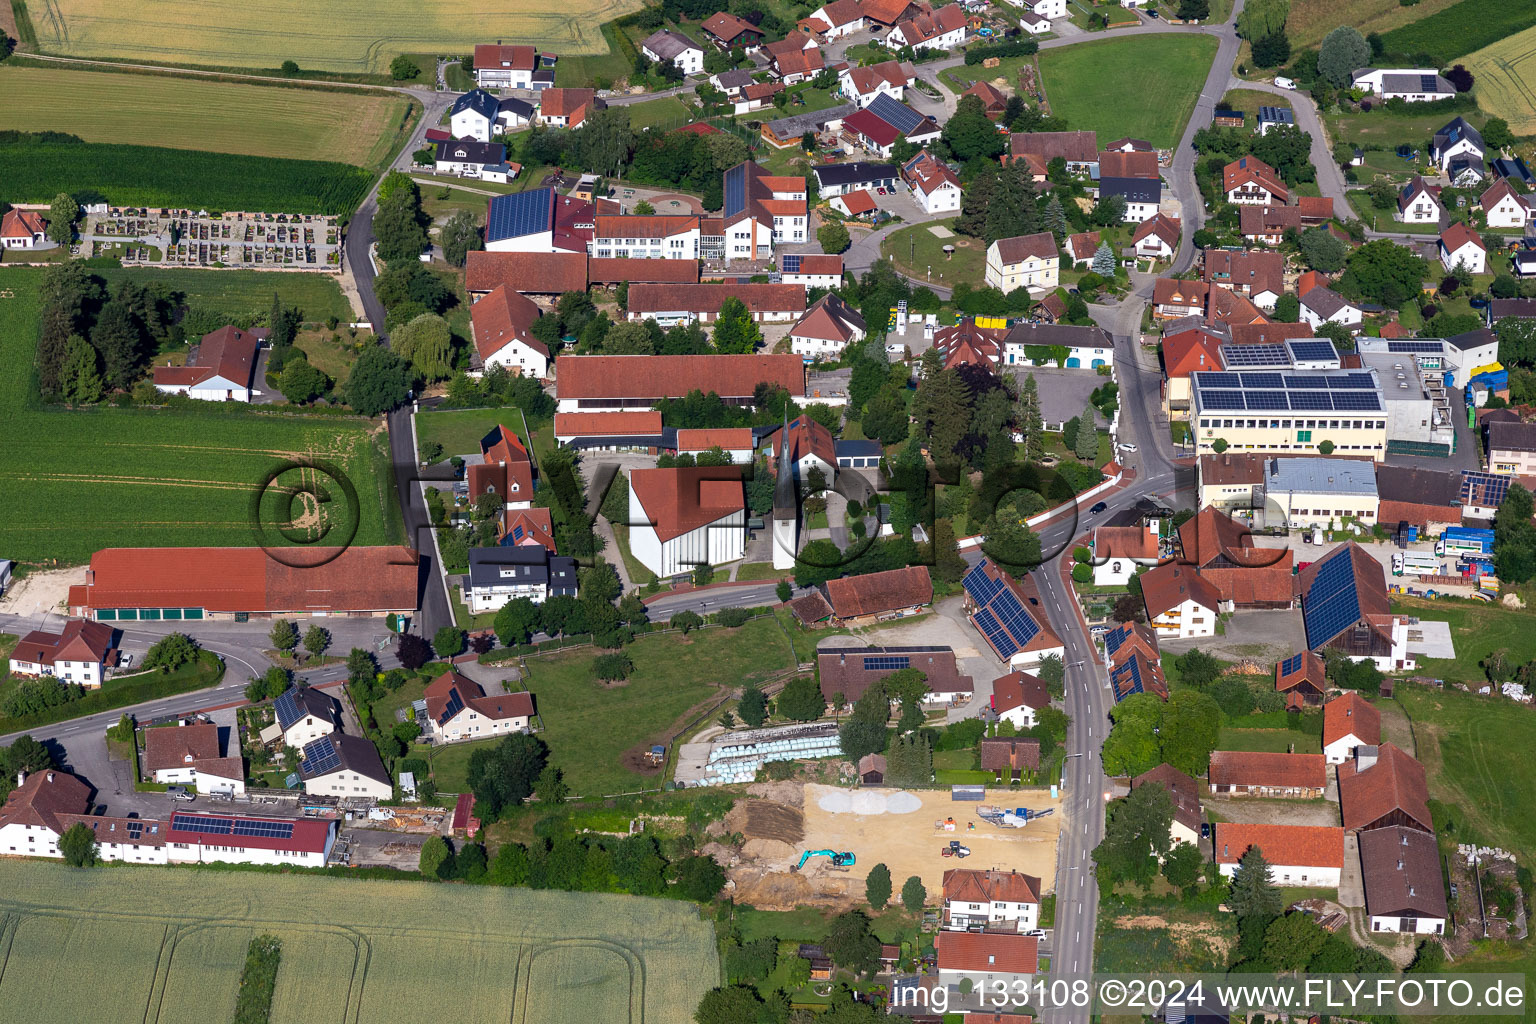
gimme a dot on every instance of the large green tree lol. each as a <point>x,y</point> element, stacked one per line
<point>735,331</point>
<point>1251,892</point>
<point>877,886</point>
<point>504,775</point>
<point>78,846</point>
<point>1382,271</point>
<point>427,344</point>
<point>1137,834</point>
<point>969,133</point>
<point>62,215</point>
<point>1344,50</point>
<point>460,236</point>
<point>379,382</point>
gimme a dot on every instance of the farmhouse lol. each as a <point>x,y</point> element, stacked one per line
<point>993,102</point>
<point>1188,816</point>
<point>458,710</point>
<point>636,382</point>
<point>1349,723</point>
<point>528,273</point>
<point>666,46</point>
<point>506,572</point>
<point>1384,787</point>
<point>934,186</point>
<point>682,518</point>
<point>22,229</point>
<point>1024,261</point>
<point>1080,150</point>
<point>1007,613</point>
<point>875,597</point>
<point>797,65</point>
<point>1268,224</point>
<point>839,18</point>
<point>501,325</point>
<point>1303,855</point>
<point>940,29</point>
<point>849,671</point>
<point>1157,237</point>
<point>80,653</point>
<point>1266,773</point>
<point>1017,696</point>
<point>344,766</point>
<point>880,126</point>
<point>1180,603</point>
<point>728,32</point>
<point>568,108</point>
<point>304,714</point>
<point>128,584</point>
<point>1403,887</point>
<point>45,804</point>
<point>220,370</point>
<point>671,304</point>
<point>504,469</point>
<point>862,85</point>
<point>191,755</point>
<point>1344,607</point>
<point>985,958</point>
<point>999,901</point>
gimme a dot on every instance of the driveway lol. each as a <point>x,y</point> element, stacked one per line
<point>1259,636</point>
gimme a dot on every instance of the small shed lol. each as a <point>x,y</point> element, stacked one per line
<point>821,964</point>
<point>872,769</point>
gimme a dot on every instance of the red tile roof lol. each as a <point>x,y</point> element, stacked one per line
<point>886,12</point>
<point>1308,846</point>
<point>807,437</point>
<point>820,263</point>
<point>1009,753</point>
<point>987,952</point>
<point>800,62</point>
<point>177,746</point>
<point>638,271</point>
<point>858,202</point>
<point>1184,352</point>
<point>1250,170</point>
<point>493,56</point>
<point>501,318</point>
<point>653,225</point>
<point>362,579</point>
<point>536,524</point>
<point>1125,542</point>
<point>1458,235</point>
<point>992,100</point>
<point>872,127</point>
<point>727,438</point>
<point>1250,272</point>
<point>1017,690</point>
<point>1315,209</point>
<point>545,273</point>
<point>22,224</point>
<point>1136,668</point>
<point>640,376</point>
<point>1308,674</point>
<point>1261,221</point>
<point>1073,147</point>
<point>1255,334</point>
<point>507,469</point>
<point>970,885</point>
<point>77,640</point>
<point>1184,790</point>
<point>501,706</point>
<point>1021,247</point>
<point>1114,164</point>
<point>1351,715</point>
<point>310,835</point>
<point>680,500</point>
<point>571,103</point>
<point>611,424</point>
<point>1268,769</point>
<point>1170,291</point>
<point>852,596</point>
<point>42,798</point>
<point>1166,228</point>
<point>1396,785</point>
<point>923,26</point>
<point>228,352</point>
<point>1165,587</point>
<point>726,26</point>
<point>1083,245</point>
<point>706,298</point>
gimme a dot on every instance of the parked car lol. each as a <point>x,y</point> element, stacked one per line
<point>180,793</point>
<point>1098,507</point>
<point>1127,446</point>
<point>1152,14</point>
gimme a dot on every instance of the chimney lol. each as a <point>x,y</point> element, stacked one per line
<point>50,776</point>
<point>1411,892</point>
<point>21,778</point>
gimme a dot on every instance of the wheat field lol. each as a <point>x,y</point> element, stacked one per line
<point>357,36</point>
<point>166,946</point>
<point>1506,80</point>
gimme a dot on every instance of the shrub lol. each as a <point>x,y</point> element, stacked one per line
<point>733,617</point>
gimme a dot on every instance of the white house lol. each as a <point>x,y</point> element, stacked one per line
<point>467,158</point>
<point>987,959</point>
<point>1086,347</point>
<point>303,716</point>
<point>811,447</point>
<point>345,766</point>
<point>841,18</point>
<point>1322,305</point>
<point>45,804</point>
<point>1504,207</point>
<point>666,46</point>
<point>826,329</point>
<point>1456,139</point>
<point>1157,237</point>
<point>934,186</point>
<point>79,653</point>
<point>1370,79</point>
<point>1143,196</point>
<point>1024,261</point>
<point>1349,721</point>
<point>473,116</point>
<point>646,236</point>
<point>191,755</point>
<point>222,368</point>
<point>1403,889</point>
<point>1179,602</point>
<point>1017,696</point>
<point>1417,204</point>
<point>197,838</point>
<point>502,573</point>
<point>682,518</point>
<point>22,229</point>
<point>1002,901</point>
<point>1460,246</point>
<point>942,29</point>
<point>1416,88</point>
<point>1119,550</point>
<point>1050,9</point>
<point>1310,856</point>
<point>1250,180</point>
<point>502,327</point>
<point>1033,23</point>
<point>862,84</point>
<point>811,269</point>
<point>506,67</point>
<point>459,710</point>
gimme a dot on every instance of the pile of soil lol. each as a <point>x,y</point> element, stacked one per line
<point>764,819</point>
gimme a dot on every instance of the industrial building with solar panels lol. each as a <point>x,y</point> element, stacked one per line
<point>1278,411</point>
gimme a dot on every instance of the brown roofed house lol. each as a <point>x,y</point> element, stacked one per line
<point>985,954</point>
<point>531,273</point>
<point>849,671</point>
<point>1404,891</point>
<point>1267,773</point>
<point>1349,723</point>
<point>857,600</point>
<point>221,370</point>
<point>1381,787</point>
<point>1188,816</point>
<point>1009,757</point>
<point>1301,677</point>
<point>993,102</point>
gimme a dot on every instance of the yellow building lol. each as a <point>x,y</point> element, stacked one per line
<point>1027,261</point>
<point>1322,411</point>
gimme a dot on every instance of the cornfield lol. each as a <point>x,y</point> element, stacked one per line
<point>167,945</point>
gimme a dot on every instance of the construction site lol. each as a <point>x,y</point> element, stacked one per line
<point>798,839</point>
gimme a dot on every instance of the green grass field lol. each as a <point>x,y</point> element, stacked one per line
<point>666,113</point>
<point>317,296</point>
<point>1143,86</point>
<point>107,477</point>
<point>920,253</point>
<point>1388,128</point>
<point>1461,28</point>
<point>350,126</point>
<point>1477,631</point>
<point>174,940</point>
<point>351,36</point>
<point>1275,741</point>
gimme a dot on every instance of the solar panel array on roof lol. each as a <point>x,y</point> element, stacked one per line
<point>287,709</point>
<point>1000,616</point>
<point>1309,401</point>
<point>981,586</point>
<point>264,828</point>
<point>1290,665</point>
<point>1483,489</point>
<point>1114,638</point>
<point>1222,400</point>
<point>1236,357</point>
<point>1262,380</point>
<point>895,113</point>
<point>519,214</point>
<point>206,826</point>
<point>1266,400</point>
<point>886,663</point>
<point>1212,379</point>
<point>1276,392</point>
<point>1131,671</point>
<point>1415,346</point>
<point>321,756</point>
<point>1426,83</point>
<point>454,706</point>
<point>1332,605</point>
<point>1312,350</point>
<point>791,263</point>
<point>1358,381</point>
<point>735,190</point>
<point>1301,383</point>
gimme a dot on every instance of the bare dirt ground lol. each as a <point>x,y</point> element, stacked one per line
<point>41,592</point>
<point>908,844</point>
<point>1182,931</point>
<point>1260,811</point>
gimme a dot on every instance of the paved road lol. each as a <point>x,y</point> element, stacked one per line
<point>753,595</point>
<point>1330,178</point>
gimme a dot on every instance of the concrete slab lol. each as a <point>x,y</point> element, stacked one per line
<point>1431,639</point>
<point>940,231</point>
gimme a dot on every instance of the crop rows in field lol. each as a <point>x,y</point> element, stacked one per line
<point>166,946</point>
<point>1506,80</point>
<point>154,176</point>
<point>74,481</point>
<point>356,36</point>
<point>1462,28</point>
<point>201,114</point>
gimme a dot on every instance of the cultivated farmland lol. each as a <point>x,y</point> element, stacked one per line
<point>1506,80</point>
<point>169,943</point>
<point>35,172</point>
<point>107,477</point>
<point>357,36</point>
<point>352,126</point>
<point>1078,78</point>
<point>1461,28</point>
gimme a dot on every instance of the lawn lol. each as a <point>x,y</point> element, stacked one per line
<point>636,572</point>
<point>589,727</point>
<point>1310,20</point>
<point>459,431</point>
<point>331,357</point>
<point>1269,740</point>
<point>352,36</point>
<point>353,126</point>
<point>1477,630</point>
<point>107,477</point>
<point>961,78</point>
<point>317,296</point>
<point>665,113</point>
<point>1381,220</point>
<point>920,253</point>
<point>762,571</point>
<point>1077,79</point>
<point>1250,100</point>
<point>1505,71</point>
<point>1391,129</point>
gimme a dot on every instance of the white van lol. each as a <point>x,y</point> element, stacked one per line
<point>1285,83</point>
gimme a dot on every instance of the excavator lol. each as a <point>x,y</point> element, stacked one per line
<point>839,860</point>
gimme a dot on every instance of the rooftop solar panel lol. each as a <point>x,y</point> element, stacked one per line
<point>1309,401</point>
<point>1266,401</point>
<point>1313,351</point>
<point>735,190</point>
<point>980,585</point>
<point>791,263</point>
<point>1415,346</point>
<point>1221,400</point>
<point>321,756</point>
<point>520,213</point>
<point>1290,665</point>
<point>1351,381</point>
<point>1239,356</point>
<point>1355,401</point>
<point>1333,602</point>
<point>1484,489</point>
<point>1262,380</point>
<point>895,113</point>
<point>1315,383</point>
<point>286,709</point>
<point>1211,379</point>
